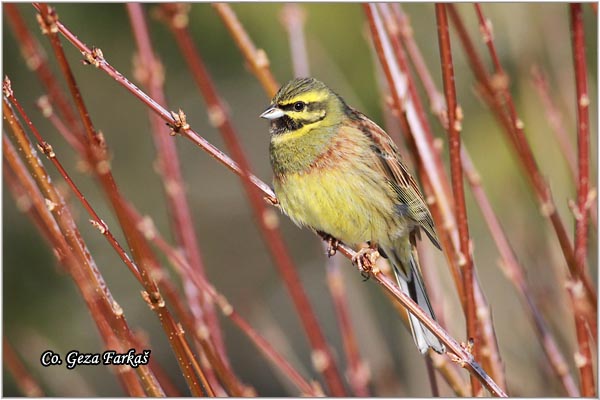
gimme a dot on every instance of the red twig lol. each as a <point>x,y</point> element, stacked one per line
<point>583,197</point>
<point>200,282</point>
<point>67,240</point>
<point>454,128</point>
<point>497,96</point>
<point>149,71</point>
<point>37,61</point>
<point>24,380</point>
<point>516,275</point>
<point>555,121</point>
<point>259,63</point>
<point>292,19</point>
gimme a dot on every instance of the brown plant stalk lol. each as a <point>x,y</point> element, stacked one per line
<point>496,95</point>
<point>417,130</point>
<point>509,263</point>
<point>55,214</point>
<point>257,58</point>
<point>584,356</point>
<point>180,263</point>
<point>156,303</point>
<point>150,73</point>
<point>454,127</point>
<point>141,252</point>
<point>24,380</point>
<point>178,122</point>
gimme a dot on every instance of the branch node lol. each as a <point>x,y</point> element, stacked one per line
<point>154,301</point>
<point>48,21</point>
<point>101,226</point>
<point>7,87</point>
<point>203,332</point>
<point>95,57</point>
<point>50,205</point>
<point>519,124</point>
<point>46,149</point>
<point>116,308</point>
<point>45,106</point>
<point>319,360</point>
<point>260,59</point>
<point>216,116</point>
<point>547,209</point>
<point>580,360</point>
<point>224,305</point>
<point>270,218</point>
<point>179,123</point>
<point>584,100</point>
<point>272,200</point>
<point>575,210</point>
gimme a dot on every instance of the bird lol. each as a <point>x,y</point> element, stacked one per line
<point>340,174</point>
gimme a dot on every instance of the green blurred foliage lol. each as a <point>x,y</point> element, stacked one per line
<point>42,308</point>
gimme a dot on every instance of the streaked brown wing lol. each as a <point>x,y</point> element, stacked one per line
<point>409,195</point>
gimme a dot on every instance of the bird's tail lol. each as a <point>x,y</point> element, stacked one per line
<point>411,282</point>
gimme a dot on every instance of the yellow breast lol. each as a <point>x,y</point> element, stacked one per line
<point>347,202</point>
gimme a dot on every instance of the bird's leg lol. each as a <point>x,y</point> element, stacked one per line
<point>332,246</point>
<point>365,259</point>
<point>332,243</point>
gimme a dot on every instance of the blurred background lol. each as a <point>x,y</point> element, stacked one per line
<point>43,310</point>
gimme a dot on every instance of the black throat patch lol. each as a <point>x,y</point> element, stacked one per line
<point>284,124</point>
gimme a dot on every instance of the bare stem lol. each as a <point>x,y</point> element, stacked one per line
<point>454,128</point>
<point>516,275</point>
<point>500,101</point>
<point>259,63</point>
<point>52,209</point>
<point>24,380</point>
<point>150,73</point>
<point>584,363</point>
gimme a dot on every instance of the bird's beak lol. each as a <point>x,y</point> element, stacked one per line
<point>272,113</point>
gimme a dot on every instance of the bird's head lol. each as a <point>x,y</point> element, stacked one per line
<point>303,104</point>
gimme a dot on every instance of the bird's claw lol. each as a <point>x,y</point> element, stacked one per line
<point>332,246</point>
<point>272,200</point>
<point>365,259</point>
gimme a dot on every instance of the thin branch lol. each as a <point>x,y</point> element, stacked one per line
<point>515,273</point>
<point>180,263</point>
<point>584,361</point>
<point>257,58</point>
<point>454,128</point>
<point>24,380</point>
<point>293,18</point>
<point>71,247</point>
<point>150,73</point>
<point>497,96</point>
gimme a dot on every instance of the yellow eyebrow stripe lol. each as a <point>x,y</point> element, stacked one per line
<point>307,97</point>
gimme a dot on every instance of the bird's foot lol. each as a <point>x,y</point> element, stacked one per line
<point>272,200</point>
<point>365,259</point>
<point>332,246</point>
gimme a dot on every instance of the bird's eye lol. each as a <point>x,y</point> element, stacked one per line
<point>299,106</point>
